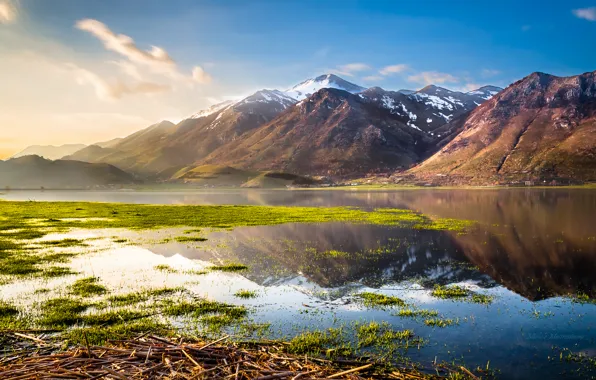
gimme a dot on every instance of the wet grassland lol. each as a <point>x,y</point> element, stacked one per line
<point>37,248</point>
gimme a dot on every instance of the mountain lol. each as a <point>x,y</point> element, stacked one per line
<point>333,132</point>
<point>33,172</point>
<point>430,107</point>
<point>542,127</point>
<point>310,86</point>
<point>50,152</point>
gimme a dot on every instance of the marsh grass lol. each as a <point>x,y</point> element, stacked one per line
<point>440,322</point>
<point>230,267</point>
<point>165,268</point>
<point>450,292</point>
<point>142,296</point>
<point>62,312</point>
<point>87,287</point>
<point>415,313</point>
<point>379,300</point>
<point>380,334</point>
<point>246,294</point>
<point>7,310</point>
<point>185,239</point>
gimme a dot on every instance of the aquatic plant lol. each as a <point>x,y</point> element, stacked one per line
<point>379,300</point>
<point>88,287</point>
<point>246,294</point>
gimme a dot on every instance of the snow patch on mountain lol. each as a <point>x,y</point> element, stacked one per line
<point>213,109</point>
<point>310,86</point>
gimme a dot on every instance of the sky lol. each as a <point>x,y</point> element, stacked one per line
<point>75,71</point>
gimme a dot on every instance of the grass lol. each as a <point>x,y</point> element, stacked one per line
<point>98,335</point>
<point>165,268</point>
<point>439,322</point>
<point>482,299</point>
<point>184,239</point>
<point>335,253</point>
<point>141,296</point>
<point>88,287</point>
<point>88,215</point>
<point>379,300</point>
<point>414,313</point>
<point>201,307</point>
<point>64,243</point>
<point>450,292</point>
<point>231,267</point>
<point>7,310</point>
<point>62,312</point>
<point>313,342</point>
<point>246,294</point>
<point>380,334</point>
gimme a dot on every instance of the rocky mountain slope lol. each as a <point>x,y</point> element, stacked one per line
<point>542,127</point>
<point>50,152</point>
<point>333,132</point>
<point>33,172</point>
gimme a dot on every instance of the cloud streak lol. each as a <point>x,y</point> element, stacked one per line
<point>155,59</point>
<point>108,91</point>
<point>585,13</point>
<point>393,69</point>
<point>432,77</point>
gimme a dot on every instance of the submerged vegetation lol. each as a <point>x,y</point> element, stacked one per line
<point>88,287</point>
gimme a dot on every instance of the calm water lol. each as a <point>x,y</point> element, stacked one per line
<point>530,249</point>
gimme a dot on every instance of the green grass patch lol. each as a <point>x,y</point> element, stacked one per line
<point>231,267</point>
<point>62,312</point>
<point>88,287</point>
<point>64,243</point>
<point>379,300</point>
<point>165,268</point>
<point>380,334</point>
<point>415,313</point>
<point>141,296</point>
<point>99,335</point>
<point>185,239</point>
<point>450,292</point>
<point>246,294</point>
<point>439,322</point>
<point>7,310</point>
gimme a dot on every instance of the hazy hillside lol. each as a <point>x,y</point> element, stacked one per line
<point>33,172</point>
<point>50,152</point>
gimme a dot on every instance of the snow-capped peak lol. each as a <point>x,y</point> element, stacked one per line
<point>213,109</point>
<point>310,86</point>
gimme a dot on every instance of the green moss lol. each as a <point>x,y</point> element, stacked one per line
<point>379,300</point>
<point>246,294</point>
<point>88,287</point>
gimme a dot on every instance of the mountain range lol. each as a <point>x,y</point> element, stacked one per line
<point>538,128</point>
<point>324,126</point>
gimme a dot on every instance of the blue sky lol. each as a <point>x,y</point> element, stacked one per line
<point>276,43</point>
<point>242,46</point>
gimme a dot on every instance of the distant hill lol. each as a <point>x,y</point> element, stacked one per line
<point>542,127</point>
<point>33,172</point>
<point>50,152</point>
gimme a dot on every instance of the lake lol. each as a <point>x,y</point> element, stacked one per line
<point>532,252</point>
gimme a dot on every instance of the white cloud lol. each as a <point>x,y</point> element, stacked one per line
<point>393,69</point>
<point>373,78</point>
<point>200,76</point>
<point>432,77</point>
<point>8,12</point>
<point>156,59</point>
<point>585,13</point>
<point>114,90</point>
<point>354,67</point>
